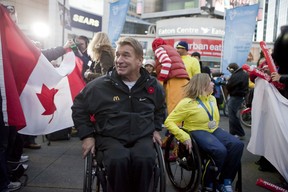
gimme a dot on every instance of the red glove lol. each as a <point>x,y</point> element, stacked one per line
<point>262,75</point>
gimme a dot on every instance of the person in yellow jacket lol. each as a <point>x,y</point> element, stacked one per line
<point>200,116</point>
<point>251,85</point>
<point>192,65</point>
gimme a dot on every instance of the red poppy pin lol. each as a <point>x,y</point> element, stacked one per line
<point>151,90</point>
<point>92,118</point>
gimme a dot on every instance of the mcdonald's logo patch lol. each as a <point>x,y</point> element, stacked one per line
<point>116,98</point>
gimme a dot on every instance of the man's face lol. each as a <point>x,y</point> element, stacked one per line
<point>81,45</point>
<point>196,57</point>
<point>127,64</point>
<point>181,51</point>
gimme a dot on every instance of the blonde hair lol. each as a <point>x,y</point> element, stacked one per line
<point>197,85</point>
<point>99,41</point>
<point>133,43</point>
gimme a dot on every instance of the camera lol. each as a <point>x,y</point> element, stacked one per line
<point>75,48</point>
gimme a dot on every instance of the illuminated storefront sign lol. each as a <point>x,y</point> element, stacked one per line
<point>84,20</point>
<point>191,26</point>
<point>206,47</point>
<point>211,31</point>
<point>202,35</point>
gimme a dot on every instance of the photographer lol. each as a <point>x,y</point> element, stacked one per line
<point>81,51</point>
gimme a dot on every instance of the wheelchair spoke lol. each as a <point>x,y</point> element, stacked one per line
<point>182,167</point>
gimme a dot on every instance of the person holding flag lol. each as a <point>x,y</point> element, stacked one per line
<point>28,79</point>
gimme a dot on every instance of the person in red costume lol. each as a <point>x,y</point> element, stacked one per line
<point>171,72</point>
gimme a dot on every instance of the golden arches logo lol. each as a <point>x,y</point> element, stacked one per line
<point>116,98</point>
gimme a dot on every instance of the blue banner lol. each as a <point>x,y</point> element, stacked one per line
<point>117,17</point>
<point>239,30</point>
<point>83,20</point>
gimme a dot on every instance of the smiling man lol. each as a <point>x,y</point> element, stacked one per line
<point>129,107</point>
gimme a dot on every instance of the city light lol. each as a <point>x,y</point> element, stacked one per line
<point>40,30</point>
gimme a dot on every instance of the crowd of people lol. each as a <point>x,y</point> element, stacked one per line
<point>132,99</point>
<point>130,108</point>
<point>188,94</point>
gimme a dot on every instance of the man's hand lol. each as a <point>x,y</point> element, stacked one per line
<point>87,73</point>
<point>88,144</point>
<point>68,44</point>
<point>275,76</point>
<point>188,145</point>
<point>157,137</point>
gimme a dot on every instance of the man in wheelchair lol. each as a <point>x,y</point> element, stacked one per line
<point>200,117</point>
<point>121,114</point>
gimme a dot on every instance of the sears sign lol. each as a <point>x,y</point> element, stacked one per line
<point>84,20</point>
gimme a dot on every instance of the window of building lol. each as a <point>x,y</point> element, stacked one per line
<point>151,6</point>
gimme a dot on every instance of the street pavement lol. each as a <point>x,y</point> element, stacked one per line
<point>60,167</point>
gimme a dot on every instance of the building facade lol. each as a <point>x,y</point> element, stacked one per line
<point>190,19</point>
<point>274,15</point>
<point>199,22</point>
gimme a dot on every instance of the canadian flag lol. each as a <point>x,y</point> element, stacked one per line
<point>36,97</point>
<point>269,133</point>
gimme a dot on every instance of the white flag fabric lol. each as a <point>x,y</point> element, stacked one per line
<point>46,99</point>
<point>269,131</point>
<point>36,97</point>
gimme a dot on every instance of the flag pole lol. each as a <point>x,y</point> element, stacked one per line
<point>221,62</point>
<point>63,25</point>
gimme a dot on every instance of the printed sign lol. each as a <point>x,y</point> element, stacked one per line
<point>84,20</point>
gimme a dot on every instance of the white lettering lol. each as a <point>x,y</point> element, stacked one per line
<point>187,30</point>
<point>166,31</point>
<point>217,31</point>
<point>85,20</point>
<point>216,47</point>
<point>199,46</point>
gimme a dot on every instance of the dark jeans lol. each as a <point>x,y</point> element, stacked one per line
<point>15,147</point>
<point>11,148</point>
<point>234,104</point>
<point>225,149</point>
<point>128,168</point>
<point>4,179</point>
<point>28,139</point>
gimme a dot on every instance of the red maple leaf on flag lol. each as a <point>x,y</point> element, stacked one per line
<point>46,98</point>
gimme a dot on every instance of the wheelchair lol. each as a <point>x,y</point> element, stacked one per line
<point>95,176</point>
<point>186,171</point>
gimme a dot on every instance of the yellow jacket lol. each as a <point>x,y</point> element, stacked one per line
<point>191,64</point>
<point>251,84</point>
<point>193,116</point>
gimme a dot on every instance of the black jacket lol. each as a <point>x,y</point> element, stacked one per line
<point>238,84</point>
<point>284,79</point>
<point>124,114</point>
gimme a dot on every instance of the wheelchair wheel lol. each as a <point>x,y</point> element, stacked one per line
<point>245,117</point>
<point>94,172</point>
<point>89,173</point>
<point>183,169</point>
<point>160,171</point>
